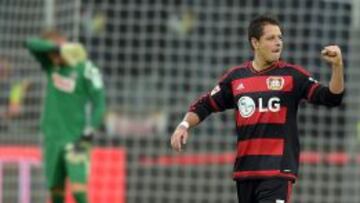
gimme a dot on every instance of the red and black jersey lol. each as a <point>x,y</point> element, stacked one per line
<point>266,105</point>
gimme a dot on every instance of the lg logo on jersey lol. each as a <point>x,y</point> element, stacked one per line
<point>247,106</point>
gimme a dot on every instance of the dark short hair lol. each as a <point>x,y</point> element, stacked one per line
<point>256,26</point>
<point>52,35</point>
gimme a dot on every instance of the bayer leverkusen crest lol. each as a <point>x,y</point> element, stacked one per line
<point>275,83</point>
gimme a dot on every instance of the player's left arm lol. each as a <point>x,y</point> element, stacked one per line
<point>332,55</point>
<point>95,87</point>
<point>332,94</point>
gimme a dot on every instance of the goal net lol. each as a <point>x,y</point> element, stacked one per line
<point>22,88</point>
<point>156,57</point>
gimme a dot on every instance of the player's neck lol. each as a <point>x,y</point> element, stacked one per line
<point>260,65</point>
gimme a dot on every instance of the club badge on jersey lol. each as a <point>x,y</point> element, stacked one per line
<point>275,83</point>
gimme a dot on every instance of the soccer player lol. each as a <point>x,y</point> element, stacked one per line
<point>74,90</point>
<point>265,93</point>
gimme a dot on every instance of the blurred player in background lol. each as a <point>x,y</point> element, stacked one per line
<point>73,82</point>
<point>265,93</point>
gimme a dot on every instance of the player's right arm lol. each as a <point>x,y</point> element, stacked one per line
<point>181,133</point>
<point>40,48</point>
<point>219,99</point>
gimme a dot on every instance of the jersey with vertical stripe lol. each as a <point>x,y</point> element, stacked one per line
<point>265,105</point>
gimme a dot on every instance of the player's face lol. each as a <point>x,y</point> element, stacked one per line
<point>55,58</point>
<point>270,44</point>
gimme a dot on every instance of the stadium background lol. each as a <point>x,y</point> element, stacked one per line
<point>157,56</point>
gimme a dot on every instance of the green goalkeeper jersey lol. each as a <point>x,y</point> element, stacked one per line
<point>69,91</point>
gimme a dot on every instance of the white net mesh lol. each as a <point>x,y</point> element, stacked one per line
<point>21,174</point>
<point>157,56</point>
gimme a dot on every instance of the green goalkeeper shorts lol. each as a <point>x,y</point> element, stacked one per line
<point>64,161</point>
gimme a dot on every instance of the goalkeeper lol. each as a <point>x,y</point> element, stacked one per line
<point>73,84</point>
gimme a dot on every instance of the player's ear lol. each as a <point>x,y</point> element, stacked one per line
<point>254,43</point>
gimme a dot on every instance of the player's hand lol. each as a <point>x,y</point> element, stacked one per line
<point>73,53</point>
<point>78,150</point>
<point>179,137</point>
<point>332,54</point>
<point>87,135</point>
<point>85,141</point>
<point>83,144</point>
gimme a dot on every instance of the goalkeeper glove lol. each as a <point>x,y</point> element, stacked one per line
<point>78,151</point>
<point>83,144</point>
<point>87,135</point>
<point>73,53</point>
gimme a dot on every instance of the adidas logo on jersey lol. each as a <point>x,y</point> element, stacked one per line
<point>240,86</point>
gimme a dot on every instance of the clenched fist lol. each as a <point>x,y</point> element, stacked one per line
<point>332,54</point>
